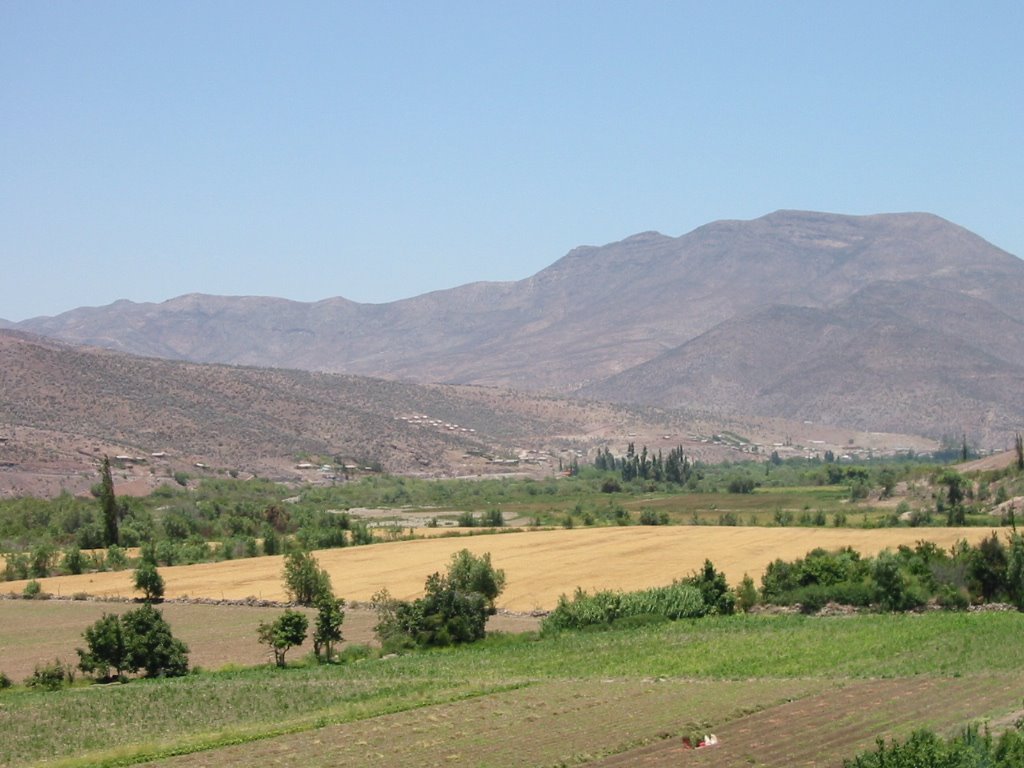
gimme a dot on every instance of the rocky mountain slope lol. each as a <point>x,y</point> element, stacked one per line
<point>895,321</point>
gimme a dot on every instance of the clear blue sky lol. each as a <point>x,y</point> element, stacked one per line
<point>378,150</point>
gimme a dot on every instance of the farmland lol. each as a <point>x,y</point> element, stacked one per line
<point>540,564</point>
<point>38,631</point>
<point>778,690</point>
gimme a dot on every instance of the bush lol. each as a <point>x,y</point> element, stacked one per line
<point>970,749</point>
<point>355,652</point>
<point>453,610</point>
<point>33,590</point>
<point>149,581</point>
<point>493,518</point>
<point>471,573</point>
<point>51,677</point>
<point>74,561</point>
<point>678,601</point>
<point>5,681</point>
<point>713,589</point>
<point>650,517</point>
<point>741,485</point>
<point>746,594</point>
<point>15,566</point>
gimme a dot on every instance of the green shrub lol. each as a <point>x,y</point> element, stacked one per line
<point>51,677</point>
<point>74,561</point>
<point>355,652</point>
<point>677,601</point>
<point>953,599</point>
<point>971,749</point>
<point>453,610</point>
<point>746,594</point>
<point>33,590</point>
<point>5,681</point>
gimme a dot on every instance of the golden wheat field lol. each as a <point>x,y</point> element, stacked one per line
<point>539,565</point>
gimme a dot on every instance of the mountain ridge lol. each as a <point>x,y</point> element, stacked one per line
<point>599,312</point>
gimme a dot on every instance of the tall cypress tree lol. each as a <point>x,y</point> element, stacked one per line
<point>108,505</point>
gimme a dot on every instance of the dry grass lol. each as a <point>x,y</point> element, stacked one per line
<point>540,565</point>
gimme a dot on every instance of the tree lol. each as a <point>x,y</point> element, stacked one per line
<point>151,646</point>
<point>987,567</point>
<point>454,608</point>
<point>327,632</point>
<point>713,589</point>
<point>304,580</point>
<point>470,573</point>
<point>954,483</point>
<point>108,505</point>
<point>1018,444</point>
<point>105,649</point>
<point>139,639</point>
<point>149,581</point>
<point>1015,570</point>
<point>282,634</point>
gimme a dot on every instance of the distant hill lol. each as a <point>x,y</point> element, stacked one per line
<point>63,407</point>
<point>893,321</point>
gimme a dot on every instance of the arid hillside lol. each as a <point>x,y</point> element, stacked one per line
<point>901,322</point>
<point>62,407</point>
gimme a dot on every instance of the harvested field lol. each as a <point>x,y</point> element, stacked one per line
<point>540,565</point>
<point>38,631</point>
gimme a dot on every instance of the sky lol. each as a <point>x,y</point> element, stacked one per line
<point>379,150</point>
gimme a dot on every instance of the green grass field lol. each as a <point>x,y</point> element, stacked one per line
<point>721,669</point>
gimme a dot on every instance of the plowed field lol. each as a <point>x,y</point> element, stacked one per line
<point>769,723</point>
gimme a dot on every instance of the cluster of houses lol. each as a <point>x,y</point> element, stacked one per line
<point>422,420</point>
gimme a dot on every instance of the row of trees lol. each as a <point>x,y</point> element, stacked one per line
<point>219,520</point>
<point>676,468</point>
<point>910,577</point>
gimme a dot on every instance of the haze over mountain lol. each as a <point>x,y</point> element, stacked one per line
<point>901,322</point>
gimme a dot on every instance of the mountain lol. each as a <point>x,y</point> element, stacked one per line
<point>858,363</point>
<point>898,309</point>
<point>62,407</point>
